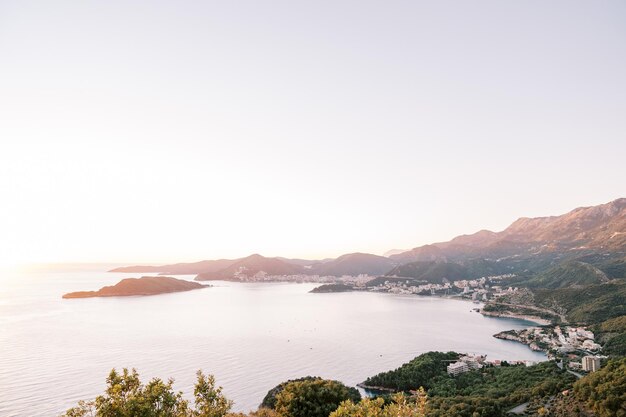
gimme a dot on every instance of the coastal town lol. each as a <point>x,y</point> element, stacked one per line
<point>575,350</point>
<point>575,346</point>
<point>242,274</point>
<point>469,362</point>
<point>480,289</point>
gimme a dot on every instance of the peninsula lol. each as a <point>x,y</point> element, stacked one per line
<point>139,286</point>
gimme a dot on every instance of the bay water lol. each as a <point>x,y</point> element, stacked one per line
<point>251,336</point>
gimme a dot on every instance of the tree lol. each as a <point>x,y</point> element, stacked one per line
<point>419,372</point>
<point>270,398</point>
<point>126,396</point>
<point>210,402</point>
<point>401,406</point>
<point>313,398</point>
<point>604,391</point>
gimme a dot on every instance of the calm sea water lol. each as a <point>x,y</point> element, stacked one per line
<point>54,352</point>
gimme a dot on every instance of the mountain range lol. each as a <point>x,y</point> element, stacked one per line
<point>585,239</point>
<point>225,269</point>
<point>585,229</point>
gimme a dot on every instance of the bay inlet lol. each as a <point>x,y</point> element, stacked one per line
<point>251,336</point>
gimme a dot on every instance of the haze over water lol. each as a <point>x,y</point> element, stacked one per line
<point>54,352</point>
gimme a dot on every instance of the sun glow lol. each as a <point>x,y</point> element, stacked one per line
<point>234,130</point>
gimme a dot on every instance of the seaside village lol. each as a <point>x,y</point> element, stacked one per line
<point>243,274</point>
<point>573,347</point>
<point>589,363</point>
<point>480,289</point>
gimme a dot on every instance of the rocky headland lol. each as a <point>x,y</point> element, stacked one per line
<point>139,286</point>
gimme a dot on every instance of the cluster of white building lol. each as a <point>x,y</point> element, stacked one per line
<point>471,362</point>
<point>557,339</point>
<point>404,288</point>
<point>590,363</point>
<point>244,274</point>
<point>499,291</point>
<point>464,364</point>
<point>478,289</point>
<point>470,283</point>
<point>572,338</point>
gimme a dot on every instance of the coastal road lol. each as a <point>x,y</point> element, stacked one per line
<point>520,409</point>
<point>540,309</point>
<point>576,374</point>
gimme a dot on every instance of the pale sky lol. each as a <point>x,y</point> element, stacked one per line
<point>154,131</point>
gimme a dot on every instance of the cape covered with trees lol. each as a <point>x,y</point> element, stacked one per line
<point>421,388</point>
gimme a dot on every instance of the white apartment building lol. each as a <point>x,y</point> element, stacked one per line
<point>591,363</point>
<point>457,368</point>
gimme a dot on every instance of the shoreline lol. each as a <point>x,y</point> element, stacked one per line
<point>526,317</point>
<point>535,319</point>
<point>374,388</point>
<point>511,338</point>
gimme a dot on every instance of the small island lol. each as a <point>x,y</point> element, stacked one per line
<point>139,286</point>
<point>332,288</point>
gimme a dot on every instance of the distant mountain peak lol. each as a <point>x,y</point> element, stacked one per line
<point>598,227</point>
<point>355,264</point>
<point>393,252</point>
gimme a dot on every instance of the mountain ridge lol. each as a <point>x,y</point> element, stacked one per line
<point>354,264</point>
<point>250,266</point>
<point>592,228</point>
<point>593,234</point>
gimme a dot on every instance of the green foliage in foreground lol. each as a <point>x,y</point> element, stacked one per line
<point>415,374</point>
<point>270,398</point>
<point>313,398</point>
<point>399,407</point>
<point>604,391</point>
<point>464,407</point>
<point>488,392</point>
<point>126,396</point>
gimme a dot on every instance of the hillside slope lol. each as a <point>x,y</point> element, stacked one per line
<point>536,244</point>
<point>354,264</point>
<point>250,266</point>
<point>180,268</point>
<point>570,274</point>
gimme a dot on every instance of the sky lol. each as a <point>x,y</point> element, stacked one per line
<point>159,131</point>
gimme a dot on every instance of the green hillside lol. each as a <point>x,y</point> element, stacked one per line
<point>417,373</point>
<point>604,392</point>
<point>568,274</point>
<point>612,334</point>
<point>592,304</point>
<point>354,264</point>
<point>489,391</point>
<point>433,272</point>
